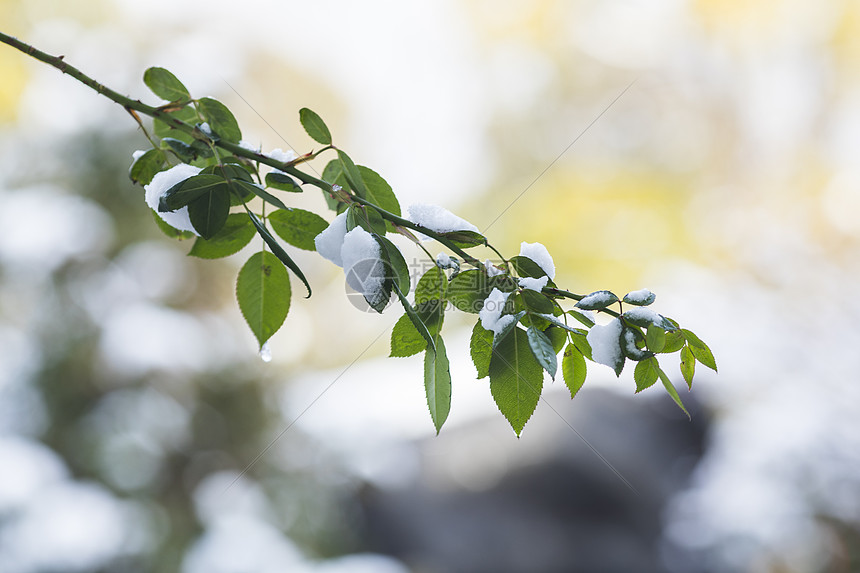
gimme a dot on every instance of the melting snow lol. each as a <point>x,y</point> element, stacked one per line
<point>330,241</point>
<point>605,343</point>
<point>492,270</point>
<point>365,270</point>
<point>533,284</point>
<point>538,253</point>
<point>160,184</point>
<point>437,219</point>
<point>491,314</point>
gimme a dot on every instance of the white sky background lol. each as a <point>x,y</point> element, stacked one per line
<point>417,100</point>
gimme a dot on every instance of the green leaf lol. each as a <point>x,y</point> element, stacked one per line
<point>580,340</point>
<point>433,285</point>
<point>674,342</point>
<point>597,300</point>
<point>542,348</point>
<point>182,150</point>
<point>165,85</point>
<point>688,365</point>
<point>640,302</point>
<point>279,251</point>
<point>282,182</point>
<point>263,292</point>
<point>437,383</point>
<point>573,369</point>
<point>315,126</point>
<point>655,338</point>
<point>297,227</point>
<point>468,290</point>
<point>481,349</point>
<point>379,192</point>
<point>243,188</point>
<point>233,236</point>
<point>413,316</point>
<point>365,217</point>
<point>185,114</point>
<point>397,269</point>
<point>525,267</point>
<point>209,212</point>
<point>700,350</point>
<point>146,166</point>
<point>405,338</point>
<point>516,379</point>
<point>171,232</point>
<point>646,373</point>
<point>558,336</point>
<point>184,192</point>
<point>672,392</point>
<point>220,119</point>
<point>465,239</point>
<point>537,302</point>
<point>352,174</point>
<point>333,174</point>
<point>582,318</point>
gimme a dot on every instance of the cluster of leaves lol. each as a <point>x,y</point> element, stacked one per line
<point>204,133</point>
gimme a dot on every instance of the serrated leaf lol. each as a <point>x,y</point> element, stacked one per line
<point>397,269</point>
<point>580,340</point>
<point>573,369</point>
<point>184,192</point>
<point>263,291</point>
<point>146,166</point>
<point>468,290</point>
<point>700,350</point>
<point>516,379</point>
<point>209,212</point>
<point>481,349</point>
<point>220,119</point>
<point>688,365</point>
<point>655,338</point>
<point>279,251</point>
<point>437,383</point>
<point>352,174</point>
<point>170,231</point>
<point>413,316</point>
<point>315,126</point>
<point>557,336</point>
<point>165,85</point>
<point>646,373</point>
<point>672,392</point>
<point>282,182</point>
<point>542,348</point>
<point>297,227</point>
<point>379,192</point>
<point>674,342</point>
<point>232,238</point>
<point>433,285</point>
<point>405,339</point>
<point>597,300</point>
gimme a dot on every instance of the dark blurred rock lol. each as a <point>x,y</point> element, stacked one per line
<point>561,510</point>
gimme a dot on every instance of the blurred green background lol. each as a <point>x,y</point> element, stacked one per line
<point>726,179</point>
